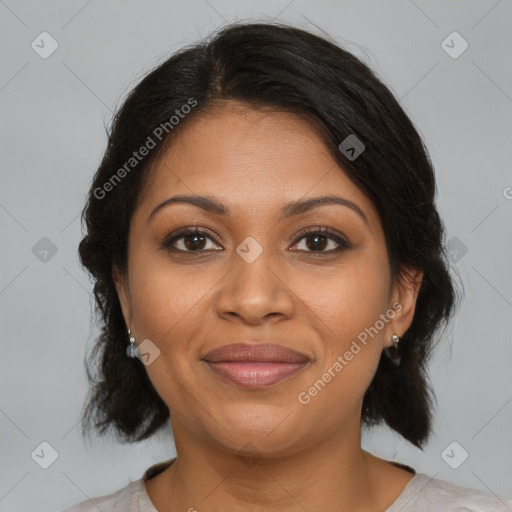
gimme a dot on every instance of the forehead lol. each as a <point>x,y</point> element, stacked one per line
<point>250,160</point>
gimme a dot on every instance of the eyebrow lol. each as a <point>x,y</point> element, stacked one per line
<point>211,205</point>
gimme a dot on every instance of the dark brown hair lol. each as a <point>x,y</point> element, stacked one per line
<point>288,69</point>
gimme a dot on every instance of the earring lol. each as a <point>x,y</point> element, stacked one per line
<point>130,349</point>
<point>392,352</point>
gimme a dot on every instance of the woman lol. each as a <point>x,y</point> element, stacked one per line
<point>270,272</point>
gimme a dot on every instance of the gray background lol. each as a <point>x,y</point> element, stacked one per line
<point>52,133</point>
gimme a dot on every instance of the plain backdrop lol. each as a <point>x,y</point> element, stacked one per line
<point>53,116</point>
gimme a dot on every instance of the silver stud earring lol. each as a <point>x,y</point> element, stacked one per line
<point>392,352</point>
<point>130,349</point>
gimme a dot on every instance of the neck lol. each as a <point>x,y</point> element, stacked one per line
<point>333,475</point>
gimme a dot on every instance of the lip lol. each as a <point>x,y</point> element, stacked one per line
<point>250,352</point>
<point>256,366</point>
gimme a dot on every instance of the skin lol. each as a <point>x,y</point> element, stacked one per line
<point>261,450</point>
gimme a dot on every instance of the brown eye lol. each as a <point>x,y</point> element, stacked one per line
<point>320,239</point>
<point>194,241</point>
<point>189,240</point>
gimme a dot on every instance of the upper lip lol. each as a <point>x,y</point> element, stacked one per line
<point>262,352</point>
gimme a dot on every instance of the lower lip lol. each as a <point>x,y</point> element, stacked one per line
<point>255,374</point>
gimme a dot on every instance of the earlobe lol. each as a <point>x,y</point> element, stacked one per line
<point>405,293</point>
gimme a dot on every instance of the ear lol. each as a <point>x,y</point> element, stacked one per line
<point>403,301</point>
<point>123,293</point>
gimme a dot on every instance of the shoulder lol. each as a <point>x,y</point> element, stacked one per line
<point>425,493</point>
<point>132,498</point>
<point>127,499</point>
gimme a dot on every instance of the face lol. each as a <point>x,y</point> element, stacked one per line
<point>314,279</point>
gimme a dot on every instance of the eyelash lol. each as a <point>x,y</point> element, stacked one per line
<point>316,230</point>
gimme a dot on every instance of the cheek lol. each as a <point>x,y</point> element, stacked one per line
<point>349,349</point>
<point>166,308</point>
<point>166,305</point>
<point>348,299</point>
<point>163,297</point>
<point>336,394</point>
<point>346,308</point>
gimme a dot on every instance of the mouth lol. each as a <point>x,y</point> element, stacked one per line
<point>255,366</point>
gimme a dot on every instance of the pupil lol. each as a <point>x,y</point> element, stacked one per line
<point>194,245</point>
<point>315,245</point>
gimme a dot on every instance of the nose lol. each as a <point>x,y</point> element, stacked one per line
<point>253,291</point>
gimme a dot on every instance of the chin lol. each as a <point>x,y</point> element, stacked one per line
<point>258,430</point>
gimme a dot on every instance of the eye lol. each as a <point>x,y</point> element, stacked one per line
<point>318,238</point>
<point>315,240</point>
<point>189,240</point>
